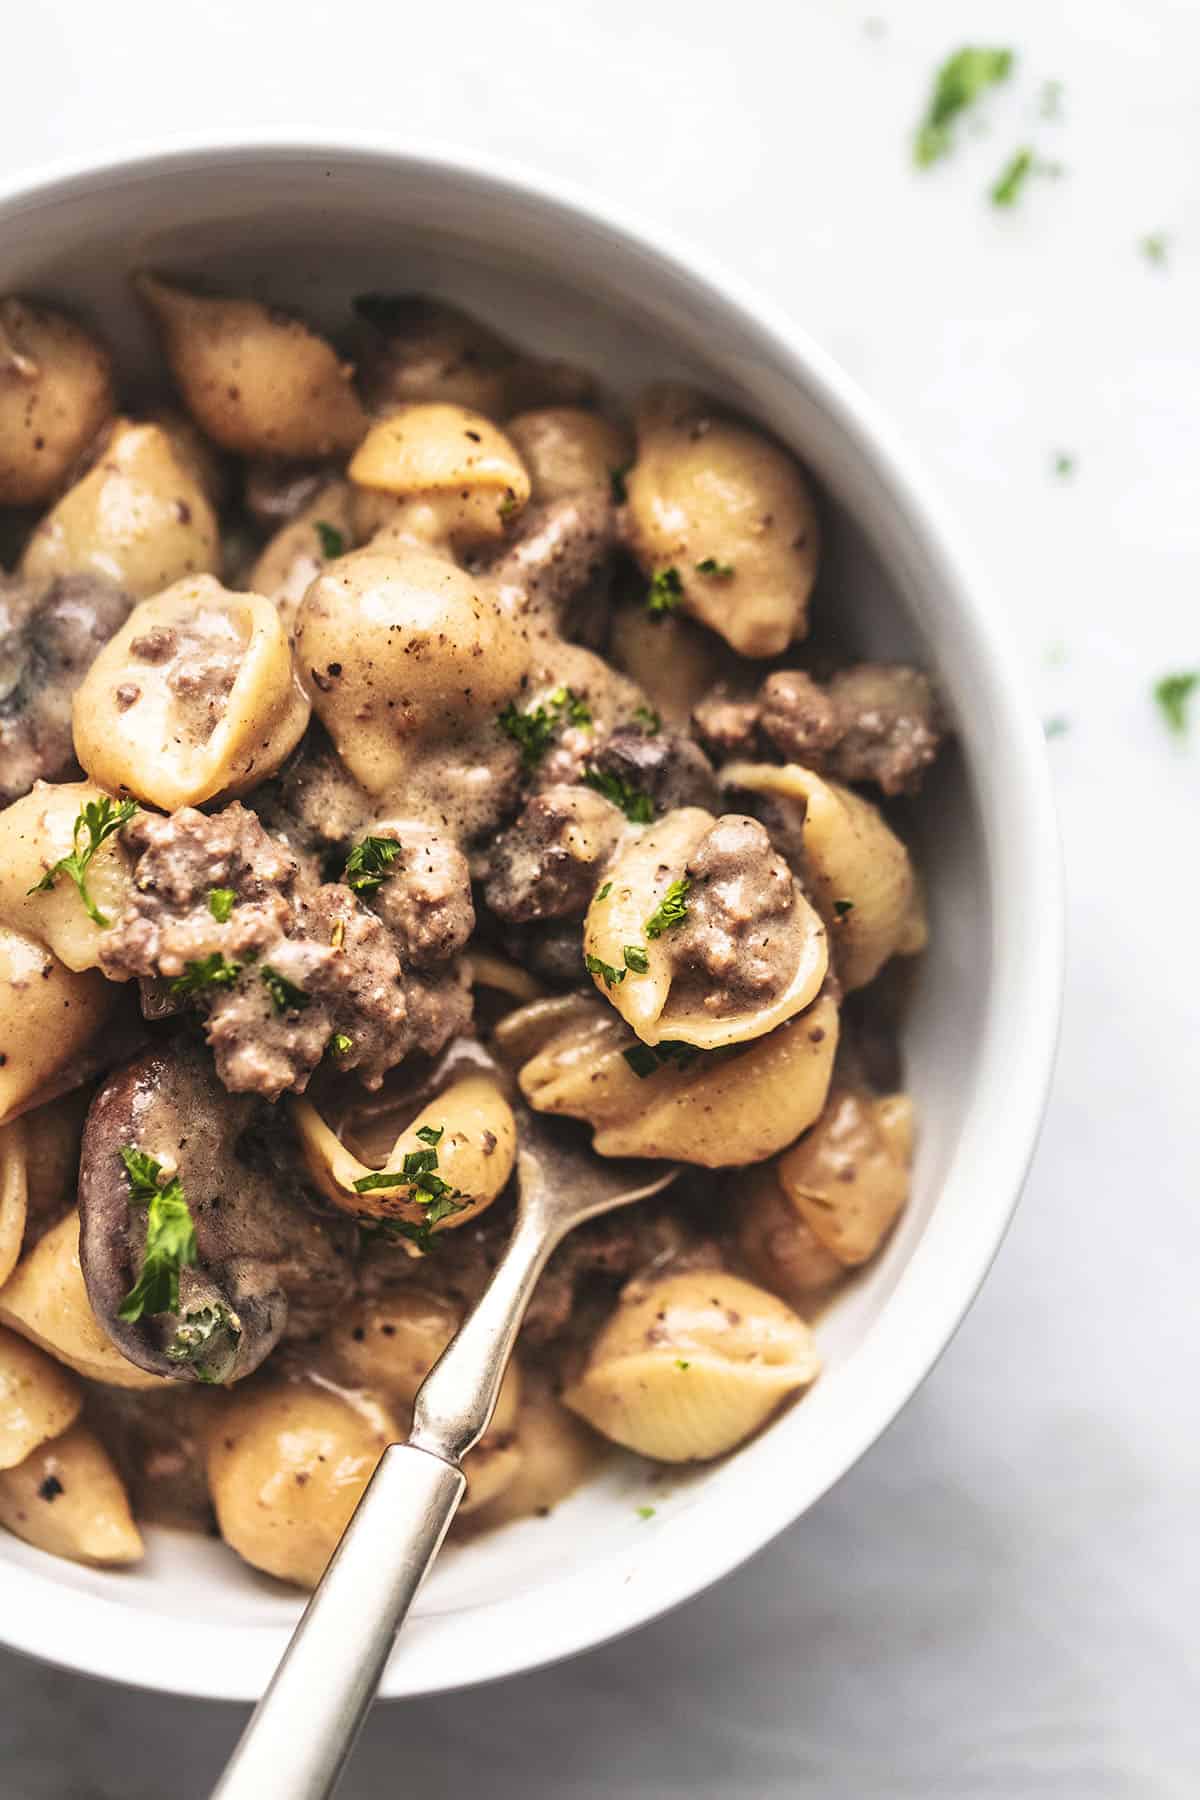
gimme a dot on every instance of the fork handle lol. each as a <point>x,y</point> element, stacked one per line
<point>304,1727</point>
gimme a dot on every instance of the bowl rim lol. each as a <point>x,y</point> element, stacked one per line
<point>532,1630</point>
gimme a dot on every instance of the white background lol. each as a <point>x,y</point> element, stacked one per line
<point>1003,1598</point>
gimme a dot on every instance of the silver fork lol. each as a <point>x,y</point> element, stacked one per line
<point>303,1729</point>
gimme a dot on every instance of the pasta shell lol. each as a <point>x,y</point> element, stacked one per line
<point>692,1366</point>
<point>139,517</point>
<point>35,833</point>
<point>14,1194</point>
<point>719,1111</point>
<point>38,1399</point>
<point>474,1153</point>
<point>193,699</point>
<point>674,662</point>
<point>776,1242</point>
<point>648,999</point>
<point>848,1178</point>
<point>56,391</point>
<point>303,549</point>
<point>46,1301</point>
<point>68,1499</point>
<point>457,476</point>
<point>48,1016</point>
<point>860,873</point>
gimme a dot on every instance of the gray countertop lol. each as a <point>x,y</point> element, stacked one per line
<point>1002,1599</point>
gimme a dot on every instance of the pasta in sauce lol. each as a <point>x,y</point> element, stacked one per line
<point>387,746</point>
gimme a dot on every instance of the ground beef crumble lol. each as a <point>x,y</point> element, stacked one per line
<point>312,965</point>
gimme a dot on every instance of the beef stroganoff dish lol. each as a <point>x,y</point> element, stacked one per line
<point>397,739</point>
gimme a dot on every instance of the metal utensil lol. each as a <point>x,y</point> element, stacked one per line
<point>303,1729</point>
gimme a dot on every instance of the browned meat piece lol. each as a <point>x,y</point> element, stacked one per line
<point>728,726</point>
<point>546,865</point>
<point>287,971</point>
<point>871,722</point>
<point>49,638</point>
<point>314,803</point>
<point>552,950</point>
<point>800,719</point>
<point>425,901</point>
<point>889,723</point>
<point>737,944</point>
<point>275,493</point>
<point>668,768</point>
<point>266,1264</point>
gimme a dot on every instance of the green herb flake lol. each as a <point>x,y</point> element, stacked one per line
<point>1006,189</point>
<point>671,909</point>
<point>332,541</point>
<point>208,1339</point>
<point>427,1189</point>
<point>595,965</point>
<point>369,864</point>
<point>636,960</point>
<point>534,730</point>
<point>843,907</point>
<point>649,720</point>
<point>431,1134</point>
<point>97,822</point>
<point>605,891</point>
<point>718,570</point>
<point>961,81</point>
<point>1154,247</point>
<point>1172,695</point>
<point>1056,727</point>
<point>681,1364</point>
<point>648,1059</point>
<point>1050,100</point>
<point>616,480</point>
<point>665,594</point>
<point>637,805</point>
<point>646,1512</point>
<point>339,1044</point>
<point>170,1236</point>
<point>214,971</point>
<point>1064,464</point>
<point>507,507</point>
<point>285,995</point>
<point>220,904</point>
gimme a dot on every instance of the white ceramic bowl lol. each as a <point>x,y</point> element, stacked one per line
<point>312,225</point>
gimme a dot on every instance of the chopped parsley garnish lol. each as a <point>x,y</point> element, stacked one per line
<point>649,720</point>
<point>636,960</point>
<point>1172,694</point>
<point>645,1512</point>
<point>213,971</point>
<point>616,478</point>
<point>194,1338</point>
<point>1154,248</point>
<point>1057,726</point>
<point>648,1059</point>
<point>681,1364</point>
<point>339,1044</point>
<point>97,822</point>
<point>285,995</point>
<point>666,592</point>
<point>418,1172</point>
<point>962,80</point>
<point>369,864</point>
<point>843,907</point>
<point>332,542</point>
<point>533,731</point>
<point>605,891</point>
<point>431,1134</point>
<point>637,806</point>
<point>170,1236</point>
<point>1006,189</point>
<point>671,909</point>
<point>1064,464</point>
<point>595,965</point>
<point>507,507</point>
<point>220,903</point>
<point>718,570</point>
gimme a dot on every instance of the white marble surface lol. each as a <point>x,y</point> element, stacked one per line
<point>1001,1600</point>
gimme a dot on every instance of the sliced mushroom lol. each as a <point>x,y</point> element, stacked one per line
<point>49,637</point>
<point>258,382</point>
<point>56,391</point>
<point>260,1251</point>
